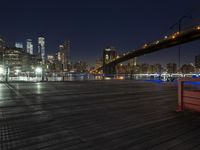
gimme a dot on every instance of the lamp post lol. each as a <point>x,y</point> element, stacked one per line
<point>38,71</point>
<point>179,30</point>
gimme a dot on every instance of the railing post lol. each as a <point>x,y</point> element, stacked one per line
<point>180,95</point>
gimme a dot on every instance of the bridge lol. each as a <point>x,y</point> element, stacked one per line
<point>171,40</point>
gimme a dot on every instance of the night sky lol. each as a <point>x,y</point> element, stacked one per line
<point>92,25</point>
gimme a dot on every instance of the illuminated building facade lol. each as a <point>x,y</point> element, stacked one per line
<point>64,50</point>
<point>132,66</point>
<point>80,67</point>
<point>19,45</point>
<point>13,58</point>
<point>2,48</point>
<point>171,68</point>
<point>197,61</point>
<point>29,46</point>
<point>41,48</point>
<point>54,63</point>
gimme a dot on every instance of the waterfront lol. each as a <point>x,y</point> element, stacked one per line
<point>87,77</point>
<point>95,115</point>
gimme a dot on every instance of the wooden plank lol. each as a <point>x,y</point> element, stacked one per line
<point>192,107</point>
<point>106,115</point>
<point>191,93</point>
<point>180,95</point>
<point>192,101</point>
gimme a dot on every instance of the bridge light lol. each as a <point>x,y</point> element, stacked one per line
<point>145,45</point>
<point>173,37</point>
<point>166,37</point>
<point>198,28</point>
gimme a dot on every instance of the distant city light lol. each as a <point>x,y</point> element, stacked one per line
<point>1,70</point>
<point>18,45</point>
<point>145,45</point>
<point>17,71</point>
<point>38,70</point>
<point>107,78</point>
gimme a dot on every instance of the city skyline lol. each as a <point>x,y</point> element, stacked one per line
<point>93,26</point>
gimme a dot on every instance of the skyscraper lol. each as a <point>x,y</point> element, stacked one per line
<point>64,55</point>
<point>2,44</point>
<point>197,61</point>
<point>171,68</point>
<point>2,48</point>
<point>18,45</point>
<point>29,46</point>
<point>41,48</point>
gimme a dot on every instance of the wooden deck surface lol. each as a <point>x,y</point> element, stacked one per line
<point>95,115</point>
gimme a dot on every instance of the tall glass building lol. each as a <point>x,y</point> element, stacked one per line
<point>29,46</point>
<point>41,48</point>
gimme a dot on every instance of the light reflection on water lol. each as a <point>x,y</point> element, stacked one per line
<point>39,88</point>
<point>1,94</point>
<point>83,77</point>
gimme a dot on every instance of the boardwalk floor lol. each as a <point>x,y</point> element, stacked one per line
<point>95,115</point>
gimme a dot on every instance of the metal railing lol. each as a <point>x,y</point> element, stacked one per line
<point>189,94</point>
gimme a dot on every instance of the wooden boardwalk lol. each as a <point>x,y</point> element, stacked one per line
<point>95,115</point>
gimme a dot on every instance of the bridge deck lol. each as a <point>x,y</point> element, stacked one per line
<point>94,115</point>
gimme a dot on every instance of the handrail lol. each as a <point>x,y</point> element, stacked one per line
<point>188,99</point>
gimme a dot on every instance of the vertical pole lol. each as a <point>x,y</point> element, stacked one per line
<point>179,29</point>
<point>6,74</point>
<point>180,95</point>
<point>179,47</point>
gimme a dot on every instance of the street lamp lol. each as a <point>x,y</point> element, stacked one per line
<point>38,70</point>
<point>179,30</point>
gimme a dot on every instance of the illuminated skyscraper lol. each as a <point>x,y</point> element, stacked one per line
<point>29,46</point>
<point>133,65</point>
<point>41,48</point>
<point>19,45</point>
<point>2,44</point>
<point>64,55</point>
<point>2,48</point>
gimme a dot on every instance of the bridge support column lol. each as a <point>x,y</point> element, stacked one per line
<point>109,70</point>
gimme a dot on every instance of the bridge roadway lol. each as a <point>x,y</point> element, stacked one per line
<point>94,115</point>
<point>174,39</point>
